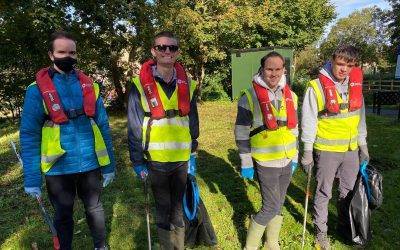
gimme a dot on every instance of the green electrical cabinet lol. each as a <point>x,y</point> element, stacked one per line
<point>245,64</point>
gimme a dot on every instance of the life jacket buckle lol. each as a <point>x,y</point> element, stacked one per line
<point>74,113</point>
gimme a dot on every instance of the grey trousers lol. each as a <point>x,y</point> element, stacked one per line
<point>273,184</point>
<point>343,166</point>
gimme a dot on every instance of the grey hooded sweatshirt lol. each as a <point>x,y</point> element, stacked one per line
<point>309,118</point>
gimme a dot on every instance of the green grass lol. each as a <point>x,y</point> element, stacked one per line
<point>229,199</point>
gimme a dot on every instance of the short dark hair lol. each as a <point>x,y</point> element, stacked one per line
<point>347,52</point>
<point>57,35</point>
<point>269,55</point>
<point>165,33</point>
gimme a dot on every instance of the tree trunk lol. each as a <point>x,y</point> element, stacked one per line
<point>200,78</point>
<point>116,77</point>
<point>11,108</point>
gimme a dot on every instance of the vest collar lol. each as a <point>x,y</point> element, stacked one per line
<point>159,78</point>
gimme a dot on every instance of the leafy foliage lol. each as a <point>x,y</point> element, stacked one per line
<point>361,29</point>
<point>107,31</point>
<point>209,30</point>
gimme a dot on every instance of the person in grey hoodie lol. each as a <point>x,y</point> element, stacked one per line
<point>266,135</point>
<point>334,134</point>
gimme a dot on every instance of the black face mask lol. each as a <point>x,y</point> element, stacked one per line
<point>66,64</point>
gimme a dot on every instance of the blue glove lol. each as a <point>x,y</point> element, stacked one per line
<point>294,165</point>
<point>33,191</point>
<point>141,171</point>
<point>108,178</point>
<point>247,173</point>
<point>192,164</point>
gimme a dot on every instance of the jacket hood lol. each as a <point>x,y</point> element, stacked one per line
<point>326,70</point>
<point>258,80</point>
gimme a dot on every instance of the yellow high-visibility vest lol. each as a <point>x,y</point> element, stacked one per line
<point>270,145</point>
<point>51,149</point>
<point>335,132</point>
<point>167,139</point>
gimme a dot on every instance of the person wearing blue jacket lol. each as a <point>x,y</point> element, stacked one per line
<point>77,171</point>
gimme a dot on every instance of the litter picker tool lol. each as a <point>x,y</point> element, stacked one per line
<point>146,193</point>
<point>305,208</point>
<point>49,221</point>
<point>45,214</point>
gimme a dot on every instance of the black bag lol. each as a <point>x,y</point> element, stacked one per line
<point>373,183</point>
<point>198,230</point>
<point>360,214</point>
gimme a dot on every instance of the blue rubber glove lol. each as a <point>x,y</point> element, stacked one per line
<point>294,165</point>
<point>33,191</point>
<point>108,178</point>
<point>247,173</point>
<point>141,171</point>
<point>192,164</point>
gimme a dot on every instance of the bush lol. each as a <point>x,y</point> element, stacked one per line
<point>300,83</point>
<point>213,89</point>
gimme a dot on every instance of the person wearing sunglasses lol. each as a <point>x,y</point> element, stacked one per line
<point>163,128</point>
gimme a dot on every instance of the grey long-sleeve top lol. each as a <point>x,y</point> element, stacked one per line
<point>135,123</point>
<point>309,119</point>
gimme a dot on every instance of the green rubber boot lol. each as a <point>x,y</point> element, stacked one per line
<point>179,240</point>
<point>272,233</point>
<point>254,235</point>
<point>165,238</point>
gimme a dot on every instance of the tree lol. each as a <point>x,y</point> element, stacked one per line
<point>105,32</point>
<point>109,29</point>
<point>24,29</point>
<point>395,22</point>
<point>363,29</point>
<point>209,30</point>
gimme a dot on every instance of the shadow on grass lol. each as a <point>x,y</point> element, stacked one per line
<point>216,171</point>
<point>298,196</point>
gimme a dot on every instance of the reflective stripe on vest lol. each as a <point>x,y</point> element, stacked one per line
<point>271,144</point>
<point>335,132</point>
<point>166,139</point>
<point>51,149</point>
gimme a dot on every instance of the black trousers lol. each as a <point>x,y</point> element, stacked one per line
<point>62,190</point>
<point>168,187</point>
<point>273,184</point>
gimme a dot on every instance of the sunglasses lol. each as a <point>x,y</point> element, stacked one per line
<point>163,48</point>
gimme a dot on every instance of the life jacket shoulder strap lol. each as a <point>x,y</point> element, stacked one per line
<point>51,99</point>
<point>96,89</point>
<point>266,107</point>
<point>150,90</point>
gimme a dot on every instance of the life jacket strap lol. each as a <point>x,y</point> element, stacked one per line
<point>74,113</point>
<point>263,127</point>
<point>170,113</point>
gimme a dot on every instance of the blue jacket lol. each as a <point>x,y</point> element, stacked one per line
<point>76,135</point>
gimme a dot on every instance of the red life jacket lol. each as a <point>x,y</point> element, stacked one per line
<point>53,102</point>
<point>266,107</point>
<point>153,98</point>
<point>355,91</point>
